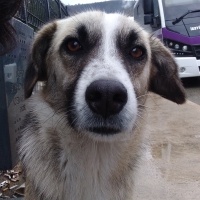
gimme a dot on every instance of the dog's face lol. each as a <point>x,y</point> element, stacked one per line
<point>98,69</point>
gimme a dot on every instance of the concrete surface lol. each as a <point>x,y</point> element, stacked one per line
<point>170,168</point>
<point>192,87</point>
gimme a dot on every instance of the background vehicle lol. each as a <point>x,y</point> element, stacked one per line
<point>177,24</point>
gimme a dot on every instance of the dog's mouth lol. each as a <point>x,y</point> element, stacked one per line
<point>104,130</point>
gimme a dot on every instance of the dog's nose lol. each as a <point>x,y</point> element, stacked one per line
<point>106,97</point>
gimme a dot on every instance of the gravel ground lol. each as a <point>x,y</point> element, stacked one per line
<point>12,183</point>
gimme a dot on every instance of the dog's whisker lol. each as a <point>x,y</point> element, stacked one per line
<point>144,95</point>
<point>59,110</point>
<point>59,122</point>
<point>143,107</point>
<point>140,116</point>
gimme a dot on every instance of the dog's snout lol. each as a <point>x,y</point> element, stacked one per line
<point>106,97</point>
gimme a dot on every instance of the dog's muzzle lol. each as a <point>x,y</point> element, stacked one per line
<point>106,98</point>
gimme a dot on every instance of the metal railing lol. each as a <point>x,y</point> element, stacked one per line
<point>35,13</point>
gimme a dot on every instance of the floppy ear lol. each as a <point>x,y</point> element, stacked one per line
<point>164,78</point>
<point>37,69</point>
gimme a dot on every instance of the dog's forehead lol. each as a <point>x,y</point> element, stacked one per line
<point>99,23</point>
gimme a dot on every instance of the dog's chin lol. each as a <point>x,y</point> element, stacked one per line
<point>104,130</point>
<point>107,134</point>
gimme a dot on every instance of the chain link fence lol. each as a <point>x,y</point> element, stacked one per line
<point>35,13</point>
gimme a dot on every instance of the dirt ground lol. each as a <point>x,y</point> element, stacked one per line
<point>170,166</point>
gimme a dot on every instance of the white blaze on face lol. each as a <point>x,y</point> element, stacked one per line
<point>107,65</point>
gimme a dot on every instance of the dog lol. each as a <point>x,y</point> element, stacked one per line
<point>81,138</point>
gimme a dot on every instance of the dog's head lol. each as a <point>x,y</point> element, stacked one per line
<point>98,69</point>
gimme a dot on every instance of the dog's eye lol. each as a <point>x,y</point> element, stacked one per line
<point>137,52</point>
<point>73,45</point>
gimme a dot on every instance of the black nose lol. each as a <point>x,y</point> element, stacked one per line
<point>106,97</point>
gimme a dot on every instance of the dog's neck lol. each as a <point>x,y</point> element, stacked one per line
<point>89,169</point>
<point>100,169</point>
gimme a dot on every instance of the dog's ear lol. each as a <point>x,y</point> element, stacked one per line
<point>37,69</point>
<point>164,78</point>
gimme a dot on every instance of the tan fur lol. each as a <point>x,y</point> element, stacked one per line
<point>61,159</point>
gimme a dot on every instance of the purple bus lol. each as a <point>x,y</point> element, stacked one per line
<point>177,24</point>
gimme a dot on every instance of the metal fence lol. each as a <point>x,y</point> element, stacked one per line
<point>31,15</point>
<point>35,13</point>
